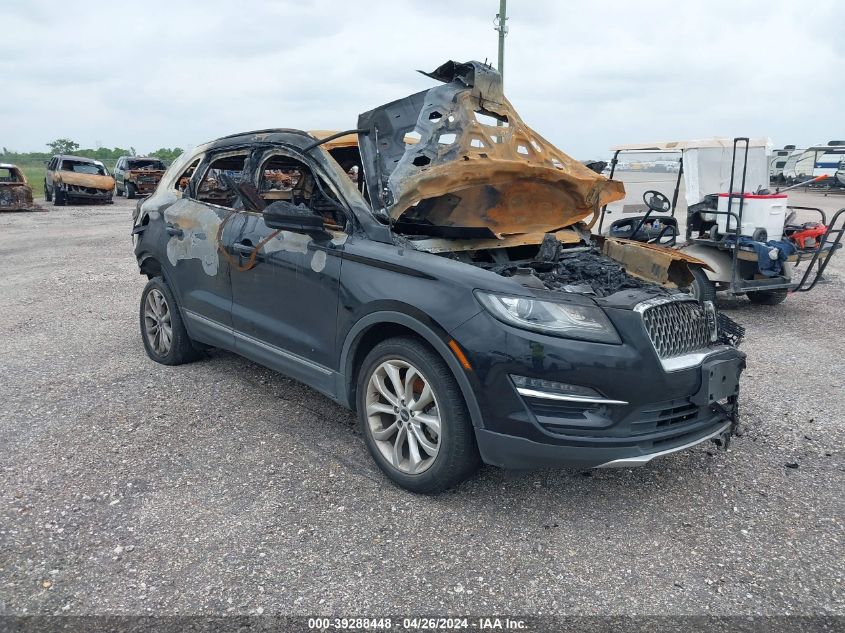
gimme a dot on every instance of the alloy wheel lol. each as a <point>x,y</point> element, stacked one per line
<point>403,416</point>
<point>157,326</point>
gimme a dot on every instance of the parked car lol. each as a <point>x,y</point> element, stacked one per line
<point>77,178</point>
<point>15,192</point>
<point>410,282</point>
<point>137,175</point>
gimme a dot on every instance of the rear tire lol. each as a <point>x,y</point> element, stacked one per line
<point>768,297</point>
<point>130,190</point>
<point>702,288</point>
<point>432,444</point>
<point>163,332</point>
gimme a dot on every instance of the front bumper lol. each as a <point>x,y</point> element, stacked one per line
<point>518,453</point>
<point>645,411</point>
<point>88,193</point>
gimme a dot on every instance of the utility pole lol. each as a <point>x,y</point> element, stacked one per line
<point>501,25</point>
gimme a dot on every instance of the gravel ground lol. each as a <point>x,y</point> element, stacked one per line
<point>222,487</point>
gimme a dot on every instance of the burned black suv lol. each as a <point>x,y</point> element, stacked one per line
<point>433,271</point>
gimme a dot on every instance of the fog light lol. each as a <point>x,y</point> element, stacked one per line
<point>539,384</point>
<point>553,390</point>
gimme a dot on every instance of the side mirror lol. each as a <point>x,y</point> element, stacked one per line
<point>295,218</point>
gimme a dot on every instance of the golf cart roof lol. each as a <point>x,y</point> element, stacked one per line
<point>674,146</point>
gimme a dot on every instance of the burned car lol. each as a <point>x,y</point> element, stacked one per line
<point>15,192</point>
<point>77,178</point>
<point>433,270</point>
<point>137,175</point>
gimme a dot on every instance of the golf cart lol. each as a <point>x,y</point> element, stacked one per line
<point>744,235</point>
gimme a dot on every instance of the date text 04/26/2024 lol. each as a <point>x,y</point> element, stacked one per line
<point>416,624</point>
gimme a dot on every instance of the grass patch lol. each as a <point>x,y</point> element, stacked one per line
<point>35,176</point>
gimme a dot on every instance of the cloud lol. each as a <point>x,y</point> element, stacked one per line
<point>585,75</point>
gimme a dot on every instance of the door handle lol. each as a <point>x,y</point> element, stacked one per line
<point>243,249</point>
<point>174,230</point>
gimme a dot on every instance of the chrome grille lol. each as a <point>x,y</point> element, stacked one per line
<point>676,327</point>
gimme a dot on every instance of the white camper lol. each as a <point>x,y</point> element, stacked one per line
<point>820,160</point>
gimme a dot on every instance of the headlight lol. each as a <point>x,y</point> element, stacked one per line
<point>587,323</point>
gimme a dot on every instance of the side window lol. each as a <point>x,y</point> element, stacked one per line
<point>285,178</point>
<point>52,165</point>
<point>184,178</point>
<point>213,189</point>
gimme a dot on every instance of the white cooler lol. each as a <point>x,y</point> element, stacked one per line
<point>758,212</point>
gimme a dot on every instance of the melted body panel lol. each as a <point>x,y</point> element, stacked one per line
<point>15,193</point>
<point>476,162</point>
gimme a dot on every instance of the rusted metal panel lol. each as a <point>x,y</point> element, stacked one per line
<point>94,181</point>
<point>476,163</point>
<point>657,264</point>
<point>15,192</point>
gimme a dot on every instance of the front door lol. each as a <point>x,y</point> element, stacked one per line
<point>197,268</point>
<point>285,290</point>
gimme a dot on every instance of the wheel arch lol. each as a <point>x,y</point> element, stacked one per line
<point>150,266</point>
<point>718,261</point>
<point>382,325</point>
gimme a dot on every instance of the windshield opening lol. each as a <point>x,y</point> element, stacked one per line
<point>80,167</point>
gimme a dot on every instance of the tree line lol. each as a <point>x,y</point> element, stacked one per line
<point>68,146</point>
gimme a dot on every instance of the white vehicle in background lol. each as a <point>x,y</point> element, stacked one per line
<point>788,173</point>
<point>778,161</point>
<point>820,160</point>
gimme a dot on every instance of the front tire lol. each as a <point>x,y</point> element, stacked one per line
<point>768,297</point>
<point>130,190</point>
<point>166,340</point>
<point>47,196</point>
<point>59,197</point>
<point>414,418</point>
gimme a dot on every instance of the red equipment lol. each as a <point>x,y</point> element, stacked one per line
<point>805,236</point>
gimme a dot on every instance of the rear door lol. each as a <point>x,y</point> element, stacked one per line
<point>200,227</point>
<point>285,296</point>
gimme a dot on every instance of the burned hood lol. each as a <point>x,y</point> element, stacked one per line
<point>95,181</point>
<point>458,155</point>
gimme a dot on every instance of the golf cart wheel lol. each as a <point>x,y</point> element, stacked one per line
<point>414,418</point>
<point>768,297</point>
<point>701,288</point>
<point>47,196</point>
<point>165,338</point>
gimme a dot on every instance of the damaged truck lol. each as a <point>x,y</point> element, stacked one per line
<point>137,175</point>
<point>433,270</point>
<point>77,179</point>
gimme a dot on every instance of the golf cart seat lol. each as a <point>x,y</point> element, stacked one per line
<point>650,227</point>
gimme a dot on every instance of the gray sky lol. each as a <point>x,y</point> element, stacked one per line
<point>584,74</point>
